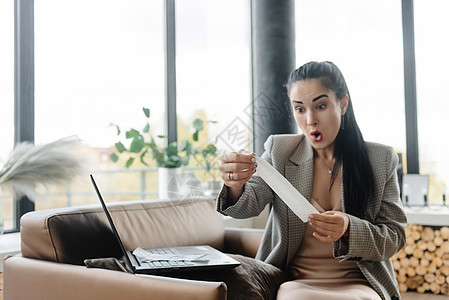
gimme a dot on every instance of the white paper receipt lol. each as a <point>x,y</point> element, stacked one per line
<point>285,190</point>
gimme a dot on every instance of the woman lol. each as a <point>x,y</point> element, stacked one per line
<point>344,251</point>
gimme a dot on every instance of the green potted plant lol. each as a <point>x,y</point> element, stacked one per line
<point>169,158</point>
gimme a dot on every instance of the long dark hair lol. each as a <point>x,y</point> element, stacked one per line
<point>350,147</point>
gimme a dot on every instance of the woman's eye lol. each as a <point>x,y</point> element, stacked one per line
<point>321,106</point>
<point>299,109</point>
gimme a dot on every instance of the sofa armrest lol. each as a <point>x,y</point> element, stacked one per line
<point>26,278</point>
<point>244,241</point>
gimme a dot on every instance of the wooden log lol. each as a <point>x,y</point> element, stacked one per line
<point>429,256</point>
<point>444,289</point>
<point>413,261</point>
<point>401,278</point>
<point>423,288</point>
<point>405,262</point>
<point>430,277</point>
<point>396,264</point>
<point>424,262</point>
<point>438,261</point>
<point>444,232</point>
<point>411,272</point>
<point>408,229</point>
<point>402,271</point>
<point>421,270</point>
<point>435,288</point>
<point>440,279</point>
<point>439,252</point>
<point>421,244</point>
<point>445,259</point>
<point>445,247</point>
<point>416,236</point>
<point>431,246</point>
<point>409,249</point>
<point>431,268</point>
<point>401,254</point>
<point>410,241</point>
<point>414,282</point>
<point>427,234</point>
<point>444,270</point>
<point>418,253</point>
<point>403,287</point>
<point>438,241</point>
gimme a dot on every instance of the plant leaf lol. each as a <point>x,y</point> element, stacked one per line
<point>185,146</point>
<point>114,157</point>
<point>136,145</point>
<point>211,149</point>
<point>120,147</point>
<point>146,111</point>
<point>198,124</point>
<point>142,157</point>
<point>133,133</point>
<point>173,161</point>
<point>146,129</point>
<point>116,127</point>
<point>129,162</point>
<point>185,160</point>
<point>195,136</point>
<point>172,149</point>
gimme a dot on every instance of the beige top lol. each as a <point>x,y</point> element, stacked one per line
<point>314,259</point>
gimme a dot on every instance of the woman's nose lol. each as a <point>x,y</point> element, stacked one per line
<point>311,120</point>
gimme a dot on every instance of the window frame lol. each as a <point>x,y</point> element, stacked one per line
<point>24,83</point>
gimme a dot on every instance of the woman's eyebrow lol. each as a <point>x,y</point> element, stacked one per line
<point>319,97</point>
<point>313,100</point>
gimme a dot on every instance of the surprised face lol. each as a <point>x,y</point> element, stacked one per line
<point>317,112</point>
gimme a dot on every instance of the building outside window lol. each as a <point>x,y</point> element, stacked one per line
<point>213,72</point>
<point>96,63</point>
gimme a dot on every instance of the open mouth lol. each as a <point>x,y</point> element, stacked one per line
<point>316,136</point>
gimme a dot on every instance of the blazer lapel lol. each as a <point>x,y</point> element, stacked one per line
<point>300,174</point>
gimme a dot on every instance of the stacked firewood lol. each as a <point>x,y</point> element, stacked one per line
<point>423,264</point>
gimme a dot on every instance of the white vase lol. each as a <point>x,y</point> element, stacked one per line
<point>166,177</point>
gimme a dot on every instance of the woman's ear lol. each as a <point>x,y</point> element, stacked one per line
<point>344,102</point>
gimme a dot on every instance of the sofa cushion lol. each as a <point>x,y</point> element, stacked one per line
<point>251,280</point>
<point>73,234</point>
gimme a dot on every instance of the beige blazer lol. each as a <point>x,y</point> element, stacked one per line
<point>372,240</point>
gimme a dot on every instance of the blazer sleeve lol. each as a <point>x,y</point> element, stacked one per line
<point>256,193</point>
<point>382,233</point>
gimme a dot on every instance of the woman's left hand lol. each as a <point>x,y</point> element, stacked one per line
<point>329,226</point>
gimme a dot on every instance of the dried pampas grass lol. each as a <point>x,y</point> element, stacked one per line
<point>47,164</point>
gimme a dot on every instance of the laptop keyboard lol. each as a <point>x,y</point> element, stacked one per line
<point>166,263</point>
<point>160,251</point>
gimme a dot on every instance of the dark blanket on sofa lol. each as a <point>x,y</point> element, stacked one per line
<point>252,280</point>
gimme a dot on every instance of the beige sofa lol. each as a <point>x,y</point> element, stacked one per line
<point>54,244</point>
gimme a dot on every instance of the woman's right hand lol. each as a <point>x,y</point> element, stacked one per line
<point>236,169</point>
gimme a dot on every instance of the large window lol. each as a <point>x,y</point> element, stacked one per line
<point>96,63</point>
<point>99,62</point>
<point>213,70</point>
<point>6,100</point>
<point>431,26</point>
<point>365,42</point>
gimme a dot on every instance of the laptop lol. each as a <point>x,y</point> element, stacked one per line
<point>170,260</point>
